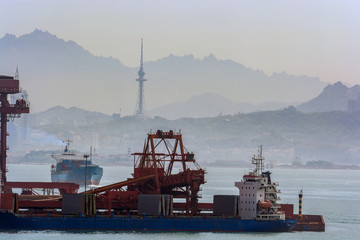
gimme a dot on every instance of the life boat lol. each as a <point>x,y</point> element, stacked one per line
<point>265,205</point>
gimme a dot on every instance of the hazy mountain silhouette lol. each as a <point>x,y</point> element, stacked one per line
<point>210,105</point>
<point>184,77</point>
<point>74,117</point>
<point>287,133</point>
<point>58,72</point>
<point>333,97</point>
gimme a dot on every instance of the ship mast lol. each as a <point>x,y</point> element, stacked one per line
<point>258,162</point>
<point>67,141</point>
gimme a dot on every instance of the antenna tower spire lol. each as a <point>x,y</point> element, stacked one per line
<point>140,105</point>
<point>17,73</point>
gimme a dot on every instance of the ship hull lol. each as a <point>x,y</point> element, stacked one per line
<point>10,221</point>
<point>77,175</point>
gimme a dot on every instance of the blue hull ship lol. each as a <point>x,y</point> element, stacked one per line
<point>77,175</point>
<point>9,221</point>
<point>141,208</point>
<point>75,168</point>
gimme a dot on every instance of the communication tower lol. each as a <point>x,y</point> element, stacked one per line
<point>140,105</point>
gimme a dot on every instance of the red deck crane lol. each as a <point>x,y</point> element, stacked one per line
<point>154,174</point>
<point>8,85</point>
<point>162,151</point>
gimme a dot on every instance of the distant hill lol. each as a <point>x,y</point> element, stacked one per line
<point>334,97</point>
<point>211,105</point>
<point>46,130</point>
<point>286,134</point>
<point>74,117</point>
<point>57,72</point>
<point>177,79</point>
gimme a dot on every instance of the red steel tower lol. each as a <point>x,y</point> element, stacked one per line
<point>8,85</point>
<point>160,163</point>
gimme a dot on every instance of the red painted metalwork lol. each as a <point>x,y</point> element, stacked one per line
<point>153,174</point>
<point>40,205</point>
<point>44,186</point>
<point>288,209</point>
<point>185,184</point>
<point>304,222</point>
<point>8,85</point>
<point>201,206</point>
<point>118,185</point>
<point>7,201</point>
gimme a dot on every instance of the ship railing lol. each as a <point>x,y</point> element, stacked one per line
<point>274,198</point>
<point>58,215</point>
<point>180,217</point>
<point>269,194</point>
<point>276,206</point>
<point>269,191</point>
<point>268,217</point>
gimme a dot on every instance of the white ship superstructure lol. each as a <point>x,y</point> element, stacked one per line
<point>258,195</point>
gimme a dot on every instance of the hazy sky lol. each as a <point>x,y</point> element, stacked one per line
<point>311,37</point>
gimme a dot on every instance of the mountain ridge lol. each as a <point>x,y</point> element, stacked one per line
<point>334,97</point>
<point>55,71</point>
<point>286,133</point>
<point>211,105</point>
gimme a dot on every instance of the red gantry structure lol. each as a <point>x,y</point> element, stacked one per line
<point>184,184</point>
<point>154,174</point>
<point>8,85</point>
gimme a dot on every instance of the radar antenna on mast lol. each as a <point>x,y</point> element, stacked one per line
<point>258,162</point>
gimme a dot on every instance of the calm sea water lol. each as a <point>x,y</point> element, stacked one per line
<point>335,194</point>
